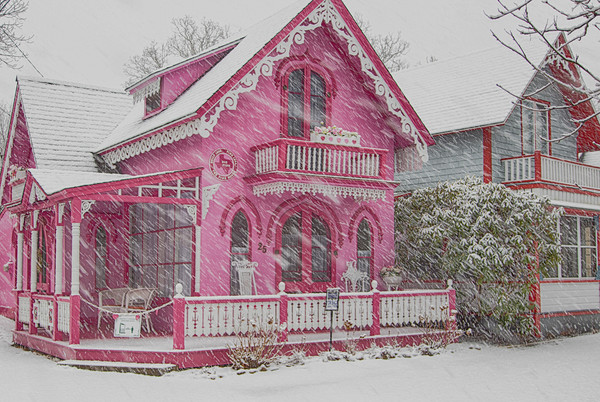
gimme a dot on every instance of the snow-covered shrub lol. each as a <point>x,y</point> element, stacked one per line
<point>259,347</point>
<point>485,237</point>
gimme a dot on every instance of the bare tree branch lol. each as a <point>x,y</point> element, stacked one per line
<point>190,38</point>
<point>390,48</point>
<point>152,58</point>
<point>11,22</point>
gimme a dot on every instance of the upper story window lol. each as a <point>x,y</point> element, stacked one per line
<point>535,127</point>
<point>152,102</point>
<point>578,248</point>
<point>306,101</point>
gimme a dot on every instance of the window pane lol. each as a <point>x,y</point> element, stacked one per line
<point>527,116</point>
<point>320,251</point>
<point>296,82</point>
<point>568,230</point>
<point>183,245</point>
<point>182,218</point>
<point>317,100</point>
<point>291,248</point>
<point>569,262</point>
<point>100,264</point>
<point>152,102</point>
<point>149,277</point>
<point>541,128</point>
<point>239,231</point>
<point>295,115</point>
<point>588,232</point>
<point>165,280</point>
<point>364,237</point>
<point>150,248</point>
<point>588,262</point>
<point>317,85</point>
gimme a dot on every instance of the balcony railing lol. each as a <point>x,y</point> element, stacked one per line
<point>287,155</point>
<point>543,168</point>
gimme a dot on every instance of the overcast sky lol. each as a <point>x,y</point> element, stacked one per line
<point>88,41</point>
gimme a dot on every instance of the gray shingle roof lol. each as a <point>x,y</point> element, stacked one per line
<point>67,121</point>
<point>464,92</point>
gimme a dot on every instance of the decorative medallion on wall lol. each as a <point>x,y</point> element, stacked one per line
<point>223,164</point>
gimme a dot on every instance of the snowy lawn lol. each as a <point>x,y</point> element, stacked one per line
<point>560,370</point>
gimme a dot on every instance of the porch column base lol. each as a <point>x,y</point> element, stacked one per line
<point>75,304</point>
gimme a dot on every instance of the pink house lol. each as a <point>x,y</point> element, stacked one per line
<point>220,181</point>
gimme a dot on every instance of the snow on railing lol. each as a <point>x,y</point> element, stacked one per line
<point>310,157</point>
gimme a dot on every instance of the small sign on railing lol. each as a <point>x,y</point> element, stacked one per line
<point>332,300</point>
<point>127,325</point>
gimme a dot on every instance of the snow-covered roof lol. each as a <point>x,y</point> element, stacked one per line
<point>186,105</point>
<point>54,181</point>
<point>67,121</point>
<point>464,92</point>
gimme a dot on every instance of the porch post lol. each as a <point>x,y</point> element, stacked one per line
<point>178,318</point>
<point>376,326</point>
<point>452,325</point>
<point>34,248</point>
<point>75,301</point>
<point>283,313</point>
<point>20,253</point>
<point>58,257</point>
<point>197,255</point>
<point>19,284</point>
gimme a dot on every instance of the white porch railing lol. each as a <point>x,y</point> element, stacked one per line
<point>399,308</point>
<point>519,169</point>
<point>64,314</point>
<point>307,312</point>
<point>217,316</point>
<point>213,316</point>
<point>43,311</point>
<point>24,309</point>
<point>545,168</point>
<point>310,157</point>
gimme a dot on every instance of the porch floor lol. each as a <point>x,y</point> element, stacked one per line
<point>203,351</point>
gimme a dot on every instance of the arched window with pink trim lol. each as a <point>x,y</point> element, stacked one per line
<point>240,247</point>
<point>364,252</point>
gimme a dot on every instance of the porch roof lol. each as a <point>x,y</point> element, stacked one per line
<point>52,186</point>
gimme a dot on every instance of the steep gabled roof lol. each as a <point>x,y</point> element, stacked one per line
<point>198,109</point>
<point>67,121</point>
<point>254,39</point>
<point>463,92</point>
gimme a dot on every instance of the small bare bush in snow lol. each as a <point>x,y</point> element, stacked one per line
<point>257,348</point>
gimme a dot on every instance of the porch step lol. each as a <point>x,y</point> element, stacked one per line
<point>153,369</point>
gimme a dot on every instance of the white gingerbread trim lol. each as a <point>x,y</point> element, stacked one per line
<point>314,188</point>
<point>150,89</point>
<point>61,212</point>
<point>9,146</point>
<point>324,13</point>
<point>86,205</point>
<point>208,194</point>
<point>36,194</point>
<point>192,211</point>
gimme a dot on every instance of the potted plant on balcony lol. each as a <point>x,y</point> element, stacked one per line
<point>335,136</point>
<point>392,276</point>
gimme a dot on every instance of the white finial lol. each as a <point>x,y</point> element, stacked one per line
<point>281,287</point>
<point>179,290</point>
<point>374,284</point>
<point>449,283</point>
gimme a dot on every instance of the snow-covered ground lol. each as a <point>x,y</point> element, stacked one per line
<point>559,370</point>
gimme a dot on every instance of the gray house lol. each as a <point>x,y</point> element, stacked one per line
<point>471,105</point>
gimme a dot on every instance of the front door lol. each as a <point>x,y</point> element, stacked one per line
<point>306,253</point>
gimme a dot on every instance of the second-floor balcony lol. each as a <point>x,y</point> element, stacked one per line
<point>307,166</point>
<point>559,173</point>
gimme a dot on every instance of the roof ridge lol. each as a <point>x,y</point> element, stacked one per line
<point>70,84</point>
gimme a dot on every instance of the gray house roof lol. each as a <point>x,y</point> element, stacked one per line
<point>463,92</point>
<point>67,121</point>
